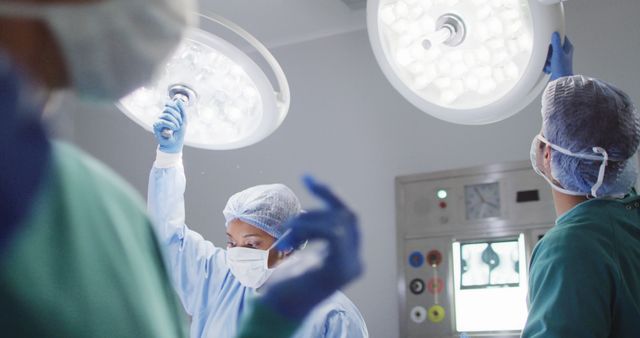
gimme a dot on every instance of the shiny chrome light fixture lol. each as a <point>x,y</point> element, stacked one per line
<point>465,61</point>
<point>231,101</point>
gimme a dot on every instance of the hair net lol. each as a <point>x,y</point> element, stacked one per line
<point>267,207</point>
<point>579,113</point>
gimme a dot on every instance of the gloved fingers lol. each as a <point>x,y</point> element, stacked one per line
<point>175,104</point>
<point>182,110</point>
<point>177,107</point>
<point>173,111</point>
<point>339,228</point>
<point>171,118</point>
<point>322,192</point>
<point>348,260</point>
<point>344,254</point>
<point>352,229</point>
<point>547,63</point>
<point>556,42</point>
<point>162,125</point>
<point>558,46</point>
<point>309,226</point>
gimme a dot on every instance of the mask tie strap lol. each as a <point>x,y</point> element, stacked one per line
<point>603,166</point>
<point>602,156</point>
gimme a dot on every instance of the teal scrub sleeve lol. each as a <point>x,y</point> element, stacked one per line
<point>571,283</point>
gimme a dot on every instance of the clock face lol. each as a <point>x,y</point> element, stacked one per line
<point>482,200</point>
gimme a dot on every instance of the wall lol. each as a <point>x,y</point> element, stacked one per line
<point>349,127</point>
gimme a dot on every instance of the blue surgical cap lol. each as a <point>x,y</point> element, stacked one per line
<point>579,113</point>
<point>267,207</point>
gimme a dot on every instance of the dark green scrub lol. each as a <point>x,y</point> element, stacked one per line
<point>85,262</point>
<point>585,273</point>
<point>262,322</point>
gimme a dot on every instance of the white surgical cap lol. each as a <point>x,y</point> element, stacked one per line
<point>267,207</point>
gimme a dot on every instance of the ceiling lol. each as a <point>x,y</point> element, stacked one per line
<point>282,22</point>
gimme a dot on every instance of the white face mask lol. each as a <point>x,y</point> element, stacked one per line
<point>251,266</point>
<point>599,155</point>
<point>111,47</point>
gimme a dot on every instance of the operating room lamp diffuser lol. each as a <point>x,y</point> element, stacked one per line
<point>232,103</point>
<point>464,61</point>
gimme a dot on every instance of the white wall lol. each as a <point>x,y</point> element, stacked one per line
<point>350,128</point>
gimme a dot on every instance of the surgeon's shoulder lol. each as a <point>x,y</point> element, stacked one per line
<point>82,172</point>
<point>575,240</point>
<point>338,305</point>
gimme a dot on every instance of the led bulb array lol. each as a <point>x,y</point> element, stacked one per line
<point>481,69</point>
<point>229,105</point>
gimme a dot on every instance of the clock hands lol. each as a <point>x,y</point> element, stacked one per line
<point>491,204</point>
<point>479,194</point>
<point>483,201</point>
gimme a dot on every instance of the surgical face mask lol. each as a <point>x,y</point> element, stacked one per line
<point>111,47</point>
<point>599,154</point>
<point>251,266</point>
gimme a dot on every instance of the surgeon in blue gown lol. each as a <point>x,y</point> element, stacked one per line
<point>215,284</point>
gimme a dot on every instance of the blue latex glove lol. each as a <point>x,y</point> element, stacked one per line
<point>173,118</point>
<point>24,150</point>
<point>560,58</point>
<point>295,297</point>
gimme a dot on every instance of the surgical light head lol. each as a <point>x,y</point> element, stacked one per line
<point>470,61</point>
<point>237,103</point>
<point>580,113</point>
<point>267,207</point>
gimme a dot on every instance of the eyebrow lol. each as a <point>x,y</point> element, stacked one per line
<point>247,235</point>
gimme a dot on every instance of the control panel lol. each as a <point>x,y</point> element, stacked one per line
<point>464,242</point>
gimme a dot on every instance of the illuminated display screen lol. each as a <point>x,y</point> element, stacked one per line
<point>490,285</point>
<point>490,264</point>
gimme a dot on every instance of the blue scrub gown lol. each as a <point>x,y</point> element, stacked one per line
<point>585,273</point>
<point>208,290</point>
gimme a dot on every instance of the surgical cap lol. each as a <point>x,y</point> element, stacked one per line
<point>266,207</point>
<point>579,113</point>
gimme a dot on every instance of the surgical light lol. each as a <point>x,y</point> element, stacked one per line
<point>231,102</point>
<point>467,62</point>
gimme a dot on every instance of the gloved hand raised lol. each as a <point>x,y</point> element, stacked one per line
<point>297,294</point>
<point>172,118</point>
<point>560,58</point>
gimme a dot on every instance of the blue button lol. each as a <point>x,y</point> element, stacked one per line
<point>416,259</point>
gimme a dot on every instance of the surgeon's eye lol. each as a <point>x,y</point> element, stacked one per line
<point>230,245</point>
<point>252,245</point>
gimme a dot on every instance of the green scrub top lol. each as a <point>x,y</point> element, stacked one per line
<point>260,321</point>
<point>85,262</point>
<point>585,273</point>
